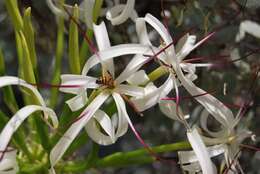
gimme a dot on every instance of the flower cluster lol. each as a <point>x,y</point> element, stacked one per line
<point>133,87</point>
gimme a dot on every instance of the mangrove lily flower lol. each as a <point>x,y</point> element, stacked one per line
<point>166,57</point>
<point>107,86</point>
<point>232,138</point>
<point>14,123</point>
<point>8,163</point>
<point>117,14</point>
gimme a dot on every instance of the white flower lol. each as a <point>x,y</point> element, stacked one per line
<point>232,138</point>
<point>110,86</point>
<point>14,123</point>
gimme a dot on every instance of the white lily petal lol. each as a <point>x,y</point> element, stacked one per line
<point>168,108</point>
<point>249,27</point>
<point>136,63</point>
<point>14,123</point>
<point>88,6</point>
<point>187,46</point>
<point>11,80</point>
<point>124,15</point>
<point>8,165</point>
<point>65,141</point>
<point>204,126</point>
<point>135,91</point>
<point>113,52</point>
<point>201,152</point>
<point>216,108</point>
<point>163,32</point>
<point>78,101</point>
<point>190,156</point>
<point>103,43</point>
<point>95,132</point>
<point>57,11</point>
<point>138,78</point>
<point>76,83</point>
<point>122,123</point>
<point>152,95</point>
<point>188,67</point>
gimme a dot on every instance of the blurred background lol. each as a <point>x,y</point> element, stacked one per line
<point>199,17</point>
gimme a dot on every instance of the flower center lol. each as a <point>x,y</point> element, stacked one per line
<point>106,80</point>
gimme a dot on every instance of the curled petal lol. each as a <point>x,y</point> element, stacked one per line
<point>113,52</point>
<point>103,43</point>
<point>78,102</point>
<point>10,80</point>
<point>14,123</point>
<point>95,132</point>
<point>168,108</point>
<point>65,141</point>
<point>159,27</point>
<point>204,126</point>
<point>122,122</point>
<point>8,165</point>
<point>201,152</point>
<point>127,12</point>
<point>152,95</point>
<point>217,109</point>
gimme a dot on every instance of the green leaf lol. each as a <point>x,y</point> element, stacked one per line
<point>14,13</point>
<point>29,36</point>
<point>58,58</point>
<point>74,60</point>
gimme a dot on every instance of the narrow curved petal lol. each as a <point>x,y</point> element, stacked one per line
<point>168,108</point>
<point>14,123</point>
<point>11,80</point>
<point>136,63</point>
<point>163,32</point>
<point>186,46</point>
<point>152,95</point>
<point>78,102</point>
<point>103,43</point>
<point>65,141</point>
<point>203,122</point>
<point>122,122</point>
<point>124,15</point>
<point>201,152</point>
<point>8,165</point>
<point>74,84</point>
<point>217,109</point>
<point>94,131</point>
<point>113,52</point>
<point>133,91</point>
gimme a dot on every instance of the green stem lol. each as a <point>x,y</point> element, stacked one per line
<point>121,159</point>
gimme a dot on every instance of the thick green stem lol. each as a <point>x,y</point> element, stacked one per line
<point>121,159</point>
